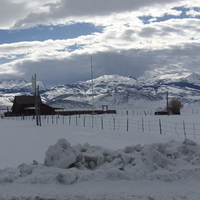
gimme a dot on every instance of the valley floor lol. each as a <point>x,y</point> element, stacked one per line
<point>163,166</point>
<point>103,190</point>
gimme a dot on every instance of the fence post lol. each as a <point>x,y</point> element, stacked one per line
<point>102,123</point>
<point>184,129</point>
<point>69,119</point>
<point>92,121</point>
<point>63,119</point>
<point>127,125</point>
<point>160,125</point>
<point>194,130</point>
<point>57,116</point>
<point>142,125</point>
<point>176,128</point>
<point>149,127</point>
<point>113,123</point>
<point>84,121</point>
<point>138,126</point>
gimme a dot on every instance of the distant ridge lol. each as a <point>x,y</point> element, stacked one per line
<point>113,90</point>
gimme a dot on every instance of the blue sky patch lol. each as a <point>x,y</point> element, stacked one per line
<point>147,19</point>
<point>41,33</point>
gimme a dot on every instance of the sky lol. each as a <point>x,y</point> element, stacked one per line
<point>59,40</point>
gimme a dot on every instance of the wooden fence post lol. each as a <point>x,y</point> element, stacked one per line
<point>184,129</point>
<point>194,130</point>
<point>176,129</point>
<point>76,121</point>
<point>92,121</point>
<point>84,121</point>
<point>127,125</point>
<point>63,119</point>
<point>149,126</point>
<point>113,123</point>
<point>57,119</point>
<point>142,125</point>
<point>160,125</point>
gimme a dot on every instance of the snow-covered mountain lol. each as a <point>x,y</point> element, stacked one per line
<point>18,85</point>
<point>112,90</point>
<point>13,87</point>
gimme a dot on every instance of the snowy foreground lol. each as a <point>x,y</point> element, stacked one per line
<point>58,162</point>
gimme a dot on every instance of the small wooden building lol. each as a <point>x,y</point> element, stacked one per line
<point>25,105</point>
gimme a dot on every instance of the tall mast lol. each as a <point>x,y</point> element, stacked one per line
<point>92,86</point>
<point>35,91</point>
<point>167,97</point>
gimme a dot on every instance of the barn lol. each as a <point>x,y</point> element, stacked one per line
<point>25,105</point>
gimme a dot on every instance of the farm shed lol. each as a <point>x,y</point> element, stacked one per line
<point>25,105</point>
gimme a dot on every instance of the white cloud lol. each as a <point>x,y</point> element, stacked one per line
<point>65,11</point>
<point>14,10</point>
<point>24,14</point>
<point>134,49</point>
<point>193,13</point>
<point>125,46</point>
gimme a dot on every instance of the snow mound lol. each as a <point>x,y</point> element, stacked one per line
<point>60,155</point>
<point>65,164</point>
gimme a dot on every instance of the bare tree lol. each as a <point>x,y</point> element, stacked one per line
<point>175,106</point>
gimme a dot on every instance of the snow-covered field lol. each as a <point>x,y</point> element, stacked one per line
<point>103,164</point>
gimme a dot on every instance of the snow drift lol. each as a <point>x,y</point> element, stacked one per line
<point>60,155</point>
<point>66,164</point>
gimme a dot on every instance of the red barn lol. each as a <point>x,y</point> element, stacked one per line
<point>25,105</point>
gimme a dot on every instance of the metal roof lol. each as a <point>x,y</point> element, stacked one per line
<point>26,99</point>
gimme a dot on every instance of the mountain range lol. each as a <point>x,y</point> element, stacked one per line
<point>113,90</point>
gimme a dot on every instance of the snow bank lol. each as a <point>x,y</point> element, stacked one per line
<point>60,155</point>
<point>65,164</point>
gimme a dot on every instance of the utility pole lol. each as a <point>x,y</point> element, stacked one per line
<point>167,97</point>
<point>92,87</point>
<point>35,91</point>
<point>38,106</point>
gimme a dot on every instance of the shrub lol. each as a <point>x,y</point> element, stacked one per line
<point>175,106</point>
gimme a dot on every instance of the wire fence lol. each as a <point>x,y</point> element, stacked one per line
<point>121,123</point>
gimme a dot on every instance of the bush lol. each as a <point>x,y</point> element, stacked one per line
<point>175,106</point>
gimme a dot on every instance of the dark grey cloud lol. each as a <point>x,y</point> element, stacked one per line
<point>128,62</point>
<point>10,11</point>
<point>148,32</point>
<point>98,7</point>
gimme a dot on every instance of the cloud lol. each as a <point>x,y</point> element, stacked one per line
<point>126,44</point>
<point>9,12</point>
<point>193,13</point>
<point>25,14</point>
<point>55,69</point>
<point>68,11</point>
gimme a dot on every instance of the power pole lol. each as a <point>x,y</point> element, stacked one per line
<point>38,106</point>
<point>167,97</point>
<point>92,87</point>
<point>35,91</point>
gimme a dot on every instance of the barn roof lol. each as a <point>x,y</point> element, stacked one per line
<point>26,100</point>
